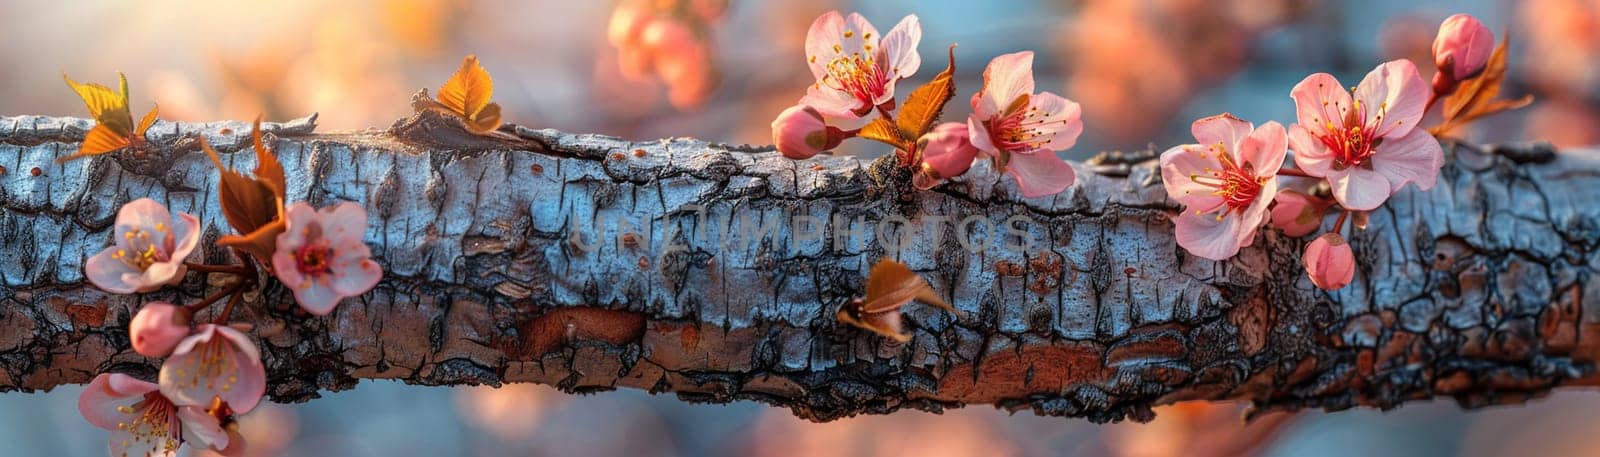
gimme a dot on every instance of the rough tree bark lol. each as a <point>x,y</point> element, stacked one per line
<point>1480,289</point>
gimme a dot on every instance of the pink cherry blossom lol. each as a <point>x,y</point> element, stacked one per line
<point>322,258</point>
<point>149,249</point>
<point>1225,183</point>
<point>1460,51</point>
<point>143,422</point>
<point>947,152</point>
<point>157,328</point>
<point>1296,213</point>
<point>855,67</point>
<point>1022,130</point>
<point>1330,262</point>
<point>1365,142</point>
<point>800,133</point>
<point>215,362</point>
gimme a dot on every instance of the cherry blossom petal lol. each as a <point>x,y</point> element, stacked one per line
<point>344,223</point>
<point>1264,149</point>
<point>215,362</point>
<point>825,33</point>
<point>1223,129</point>
<point>110,274</point>
<point>297,216</point>
<point>979,136</point>
<point>356,278</point>
<point>831,103</point>
<point>1415,157</point>
<point>187,235</point>
<point>285,268</point>
<point>1255,215</point>
<point>1208,236</point>
<point>318,299</point>
<point>1358,188</point>
<point>1006,78</point>
<point>1040,173</point>
<point>1395,92</point>
<point>202,429</point>
<point>1062,120</point>
<point>1310,155</point>
<point>1319,100</point>
<point>858,35</point>
<point>141,214</point>
<point>108,392</point>
<point>1178,166</point>
<point>900,48</point>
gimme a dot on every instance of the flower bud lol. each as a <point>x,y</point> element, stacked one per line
<point>800,133</point>
<point>1296,213</point>
<point>1329,262</point>
<point>157,328</point>
<point>1460,51</point>
<point>947,152</point>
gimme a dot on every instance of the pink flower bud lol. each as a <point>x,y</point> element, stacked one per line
<point>157,328</point>
<point>1460,51</point>
<point>1297,214</point>
<point>947,152</point>
<point>800,133</point>
<point>1329,262</point>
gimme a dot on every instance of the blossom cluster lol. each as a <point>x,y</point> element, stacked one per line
<point>856,69</point>
<point>1352,148</point>
<point>213,372</point>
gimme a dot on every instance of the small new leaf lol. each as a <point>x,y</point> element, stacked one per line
<point>252,206</point>
<point>114,129</point>
<point>1475,98</point>
<point>890,286</point>
<point>883,131</point>
<point>925,103</point>
<point>468,94</point>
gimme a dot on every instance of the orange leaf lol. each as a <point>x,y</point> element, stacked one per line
<point>247,204</point>
<point>486,121</point>
<point>260,243</point>
<point>100,140</point>
<point>268,170</point>
<point>892,284</point>
<point>468,91</point>
<point>882,130</point>
<point>1475,98</point>
<point>107,107</point>
<point>149,120</point>
<point>925,103</point>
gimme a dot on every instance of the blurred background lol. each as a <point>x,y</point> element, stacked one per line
<point>1143,70</point>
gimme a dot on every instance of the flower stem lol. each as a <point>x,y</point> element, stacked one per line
<point>1338,225</point>
<point>210,299</point>
<point>886,115</point>
<point>228,308</point>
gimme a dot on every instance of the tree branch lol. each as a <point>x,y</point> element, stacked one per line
<point>1476,290</point>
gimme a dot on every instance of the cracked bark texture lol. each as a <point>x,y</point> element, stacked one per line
<point>592,263</point>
